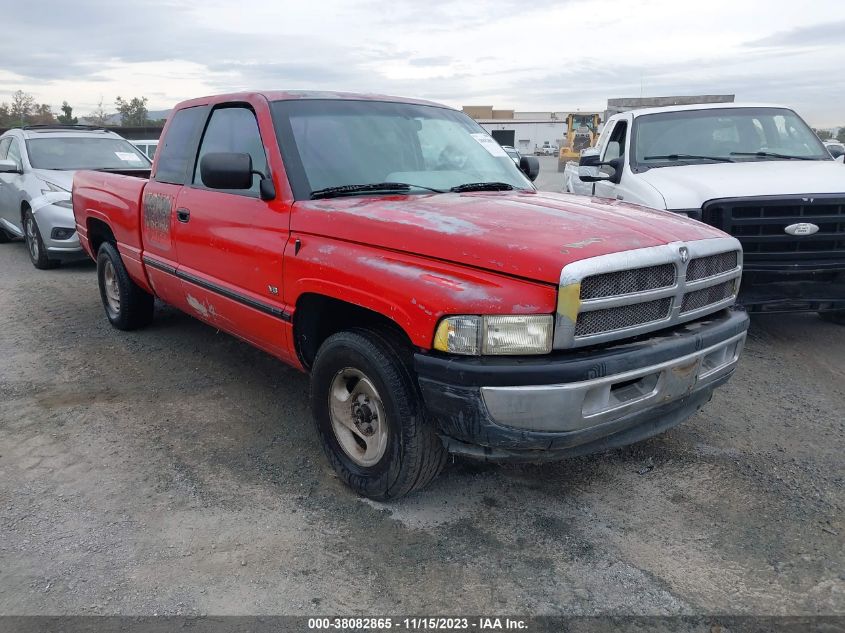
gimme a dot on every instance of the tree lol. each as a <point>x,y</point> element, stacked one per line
<point>22,107</point>
<point>99,116</point>
<point>41,115</point>
<point>841,136</point>
<point>5,116</point>
<point>67,118</point>
<point>132,112</point>
<point>823,134</point>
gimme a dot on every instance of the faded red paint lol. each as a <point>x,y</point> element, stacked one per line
<point>412,259</point>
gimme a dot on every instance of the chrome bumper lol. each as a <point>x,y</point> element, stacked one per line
<point>580,405</point>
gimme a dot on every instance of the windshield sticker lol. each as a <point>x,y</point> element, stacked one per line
<point>490,144</point>
<point>129,157</point>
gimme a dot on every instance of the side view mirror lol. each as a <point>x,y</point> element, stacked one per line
<point>231,170</point>
<point>588,168</point>
<point>841,159</point>
<point>836,151</point>
<point>530,166</point>
<point>226,170</point>
<point>9,167</point>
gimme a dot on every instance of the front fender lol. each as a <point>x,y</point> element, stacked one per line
<point>414,292</point>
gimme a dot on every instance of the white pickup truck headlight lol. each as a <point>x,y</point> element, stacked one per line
<point>495,335</point>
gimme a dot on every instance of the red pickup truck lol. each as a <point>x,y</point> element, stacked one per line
<point>440,302</point>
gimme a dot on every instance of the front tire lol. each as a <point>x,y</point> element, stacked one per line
<point>127,305</point>
<point>34,243</point>
<point>370,417</point>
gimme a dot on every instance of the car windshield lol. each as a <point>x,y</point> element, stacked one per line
<point>336,143</point>
<point>729,134</point>
<point>80,152</point>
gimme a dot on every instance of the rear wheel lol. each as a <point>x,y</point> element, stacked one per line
<point>34,243</point>
<point>127,305</point>
<point>370,417</point>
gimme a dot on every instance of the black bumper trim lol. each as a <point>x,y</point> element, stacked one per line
<point>583,364</point>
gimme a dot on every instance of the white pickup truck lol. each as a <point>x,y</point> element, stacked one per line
<point>757,172</point>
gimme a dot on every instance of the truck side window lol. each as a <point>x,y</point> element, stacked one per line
<point>4,147</point>
<point>233,129</point>
<point>615,145</point>
<point>177,153</point>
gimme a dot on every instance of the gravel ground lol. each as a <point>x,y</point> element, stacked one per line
<point>174,470</point>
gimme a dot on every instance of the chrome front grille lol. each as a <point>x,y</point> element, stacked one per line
<point>626,294</point>
<point>702,267</point>
<point>622,317</point>
<point>698,299</point>
<point>623,282</point>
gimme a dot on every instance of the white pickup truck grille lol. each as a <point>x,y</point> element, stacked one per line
<point>633,292</point>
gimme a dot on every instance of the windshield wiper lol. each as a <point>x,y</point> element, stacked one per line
<point>773,155</point>
<point>482,186</point>
<point>673,157</point>
<point>342,190</point>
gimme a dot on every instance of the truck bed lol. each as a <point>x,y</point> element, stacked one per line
<point>115,200</point>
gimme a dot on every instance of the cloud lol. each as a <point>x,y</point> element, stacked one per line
<point>442,60</point>
<point>544,55</point>
<point>822,34</point>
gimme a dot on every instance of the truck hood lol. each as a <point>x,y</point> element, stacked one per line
<point>527,234</point>
<point>690,186</point>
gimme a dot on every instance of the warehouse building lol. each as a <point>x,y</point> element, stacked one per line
<point>529,131</point>
<point>526,131</point>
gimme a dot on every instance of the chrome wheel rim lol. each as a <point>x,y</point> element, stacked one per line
<point>357,416</point>
<point>111,288</point>
<point>31,238</point>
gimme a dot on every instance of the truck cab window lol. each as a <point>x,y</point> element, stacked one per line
<point>179,145</point>
<point>233,130</point>
<point>615,145</point>
<point>4,147</point>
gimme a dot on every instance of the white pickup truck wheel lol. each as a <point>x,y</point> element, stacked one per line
<point>127,305</point>
<point>370,417</point>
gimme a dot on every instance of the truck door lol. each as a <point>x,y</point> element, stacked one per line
<point>158,203</point>
<point>614,147</point>
<point>231,243</point>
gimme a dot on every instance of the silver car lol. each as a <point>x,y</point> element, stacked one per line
<point>36,174</point>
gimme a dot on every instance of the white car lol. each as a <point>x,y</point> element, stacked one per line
<point>37,164</point>
<point>836,148</point>
<point>147,146</point>
<point>757,172</point>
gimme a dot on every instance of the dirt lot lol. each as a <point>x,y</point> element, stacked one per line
<point>174,470</point>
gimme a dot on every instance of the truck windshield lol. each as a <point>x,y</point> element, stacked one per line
<point>722,135</point>
<point>64,152</point>
<point>346,143</point>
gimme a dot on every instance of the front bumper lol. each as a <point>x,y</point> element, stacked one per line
<point>51,216</point>
<point>567,404</point>
<point>802,290</point>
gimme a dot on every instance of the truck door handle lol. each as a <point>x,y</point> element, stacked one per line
<point>183,215</point>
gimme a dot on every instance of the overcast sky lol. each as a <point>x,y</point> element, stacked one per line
<point>522,54</point>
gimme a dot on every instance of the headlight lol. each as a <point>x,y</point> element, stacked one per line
<point>495,335</point>
<point>53,189</point>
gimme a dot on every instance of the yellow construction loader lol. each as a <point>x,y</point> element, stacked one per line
<point>582,131</point>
